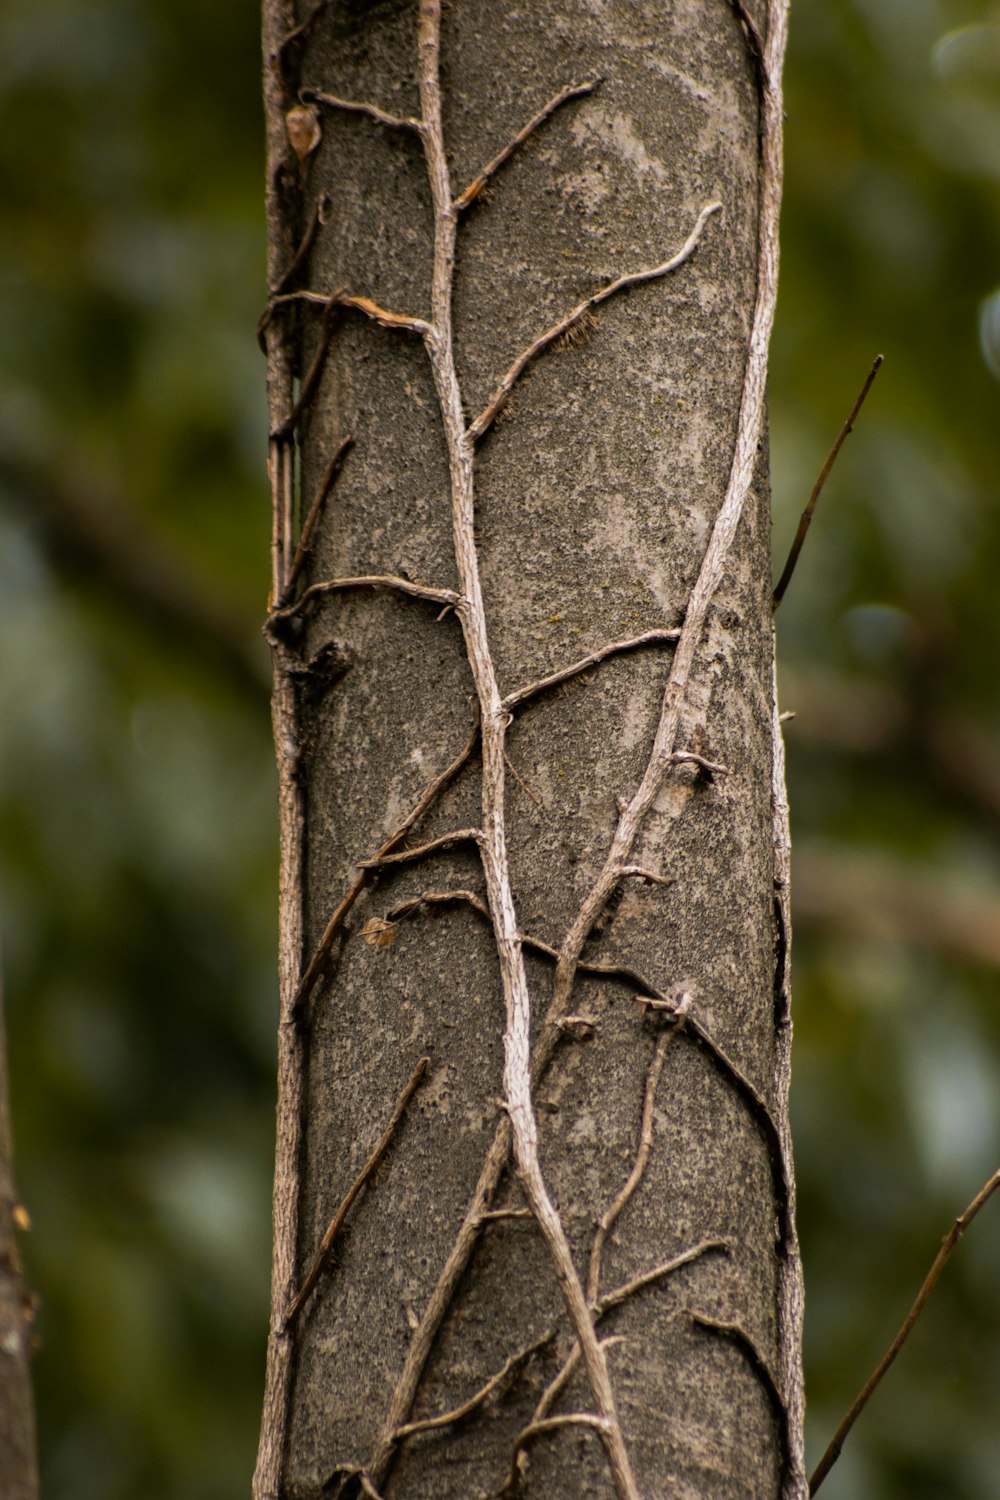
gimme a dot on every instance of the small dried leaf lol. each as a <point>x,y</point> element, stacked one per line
<point>302,124</point>
<point>379,932</point>
<point>21,1217</point>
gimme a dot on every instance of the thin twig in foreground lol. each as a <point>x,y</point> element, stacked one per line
<point>948,1244</point>
<point>337,1222</point>
<point>824,473</point>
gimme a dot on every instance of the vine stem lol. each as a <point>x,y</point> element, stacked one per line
<point>494,719</point>
<point>748,432</point>
<point>278,18</point>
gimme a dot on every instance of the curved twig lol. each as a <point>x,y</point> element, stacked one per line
<point>492,408</point>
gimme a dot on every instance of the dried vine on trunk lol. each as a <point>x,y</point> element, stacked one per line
<point>313,318</point>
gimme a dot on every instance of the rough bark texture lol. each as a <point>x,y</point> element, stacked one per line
<point>604,503</point>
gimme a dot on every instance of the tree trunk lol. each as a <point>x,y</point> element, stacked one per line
<point>534,1214</point>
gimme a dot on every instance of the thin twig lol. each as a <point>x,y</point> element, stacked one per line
<point>300,32</point>
<point>312,377</point>
<point>457,1413</point>
<point>680,1010</point>
<point>360,107</point>
<point>479,182</point>
<point>345,1473</point>
<point>621,284</point>
<point>322,1255</point>
<point>755,45</point>
<point>689,757</point>
<point>617,972</point>
<point>439,342</point>
<point>304,246</point>
<point>315,511</point>
<point>364,581</point>
<point>620,1294</point>
<point>742,1339</point>
<point>607,1219</point>
<point>615,1298</point>
<point>542,684</point>
<point>437,898</point>
<point>824,473</point>
<point>539,1429</point>
<point>525,788</point>
<point>321,954</point>
<point>384,317</point>
<point>648,877</point>
<point>930,1281</point>
<point>407,856</point>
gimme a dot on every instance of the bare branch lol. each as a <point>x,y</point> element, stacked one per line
<point>930,1281</point>
<point>688,757</point>
<point>755,45</point>
<point>407,856</point>
<point>383,317</point>
<point>315,511</point>
<point>479,182</point>
<point>365,581</point>
<point>305,245</point>
<point>806,518</point>
<point>361,107</point>
<point>636,278</point>
<point>611,1213</point>
<point>543,684</point>
<point>539,1429</point>
<point>741,1338</point>
<point>438,898</point>
<point>628,1289</point>
<point>321,956</point>
<point>457,1413</point>
<point>648,877</point>
<point>322,1256</point>
<point>680,1010</point>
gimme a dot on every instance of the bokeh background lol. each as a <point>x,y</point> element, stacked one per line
<point>137,829</point>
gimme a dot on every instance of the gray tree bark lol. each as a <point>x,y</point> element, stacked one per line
<point>534,1210</point>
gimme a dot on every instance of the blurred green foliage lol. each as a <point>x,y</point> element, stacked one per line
<point>136,821</point>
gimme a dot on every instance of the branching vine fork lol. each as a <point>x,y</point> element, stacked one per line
<point>516,1133</point>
